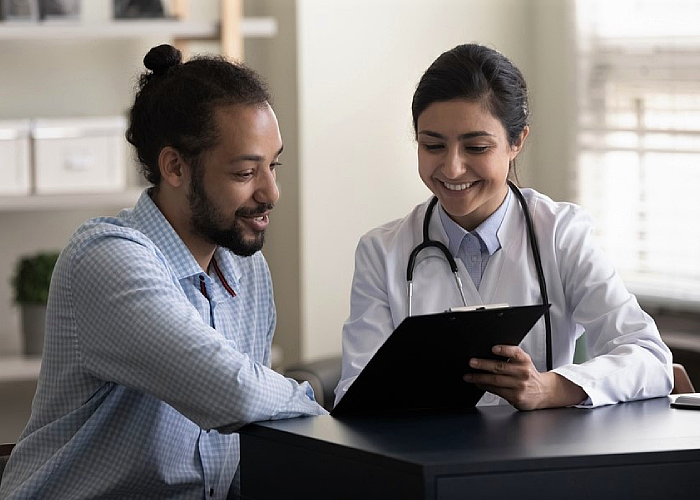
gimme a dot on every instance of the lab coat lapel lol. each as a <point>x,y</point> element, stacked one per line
<point>504,263</point>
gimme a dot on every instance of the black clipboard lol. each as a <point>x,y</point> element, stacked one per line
<point>420,366</point>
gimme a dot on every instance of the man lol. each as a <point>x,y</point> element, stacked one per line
<point>160,321</point>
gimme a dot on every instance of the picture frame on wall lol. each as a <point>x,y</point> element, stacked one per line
<point>138,9</point>
<point>19,10</point>
<point>59,9</point>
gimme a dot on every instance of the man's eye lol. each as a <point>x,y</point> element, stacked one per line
<point>244,175</point>
<point>433,147</point>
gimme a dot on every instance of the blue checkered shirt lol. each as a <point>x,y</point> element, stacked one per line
<point>476,247</point>
<point>150,365</point>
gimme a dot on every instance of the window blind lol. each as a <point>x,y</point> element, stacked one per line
<point>638,140</point>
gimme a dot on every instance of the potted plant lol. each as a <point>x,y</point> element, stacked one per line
<point>31,291</point>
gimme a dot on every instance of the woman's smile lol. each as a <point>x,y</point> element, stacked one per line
<point>458,187</point>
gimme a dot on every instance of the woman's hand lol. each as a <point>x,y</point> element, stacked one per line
<point>517,381</point>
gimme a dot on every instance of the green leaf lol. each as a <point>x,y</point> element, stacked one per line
<point>32,278</point>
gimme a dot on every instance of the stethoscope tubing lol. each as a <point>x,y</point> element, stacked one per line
<point>427,243</point>
<point>534,247</point>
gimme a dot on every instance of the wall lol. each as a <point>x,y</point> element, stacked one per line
<point>553,98</point>
<point>276,60</point>
<point>358,64</point>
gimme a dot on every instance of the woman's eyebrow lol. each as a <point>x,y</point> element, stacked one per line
<point>468,135</point>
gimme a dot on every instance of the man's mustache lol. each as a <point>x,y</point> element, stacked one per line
<point>252,212</point>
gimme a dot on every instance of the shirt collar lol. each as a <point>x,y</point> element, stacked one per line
<point>229,265</point>
<point>486,232</point>
<point>150,221</point>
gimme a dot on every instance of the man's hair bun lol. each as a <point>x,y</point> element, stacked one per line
<point>161,58</point>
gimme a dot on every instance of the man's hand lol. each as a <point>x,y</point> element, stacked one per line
<point>517,381</point>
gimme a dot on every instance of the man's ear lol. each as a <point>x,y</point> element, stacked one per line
<point>172,167</point>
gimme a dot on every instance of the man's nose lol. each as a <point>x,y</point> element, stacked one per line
<point>267,190</point>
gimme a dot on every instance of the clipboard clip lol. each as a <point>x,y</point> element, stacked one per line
<point>482,307</point>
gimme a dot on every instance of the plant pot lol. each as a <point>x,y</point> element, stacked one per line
<point>33,327</point>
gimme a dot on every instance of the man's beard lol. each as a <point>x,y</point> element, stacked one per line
<point>209,223</point>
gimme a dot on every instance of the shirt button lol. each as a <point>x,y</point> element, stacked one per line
<point>211,492</point>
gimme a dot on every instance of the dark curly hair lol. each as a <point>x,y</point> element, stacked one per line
<point>175,104</point>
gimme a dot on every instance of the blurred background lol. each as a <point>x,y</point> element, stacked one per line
<point>615,103</point>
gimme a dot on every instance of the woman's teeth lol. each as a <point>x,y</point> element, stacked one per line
<point>458,187</point>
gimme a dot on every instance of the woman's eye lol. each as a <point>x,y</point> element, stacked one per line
<point>477,149</point>
<point>244,175</point>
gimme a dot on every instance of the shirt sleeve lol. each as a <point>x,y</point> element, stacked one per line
<point>628,359</point>
<point>134,326</point>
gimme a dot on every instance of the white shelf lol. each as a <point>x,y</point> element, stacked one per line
<point>19,368</point>
<point>259,27</point>
<point>251,27</point>
<point>25,203</point>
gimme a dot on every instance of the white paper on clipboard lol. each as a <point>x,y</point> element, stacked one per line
<point>481,307</point>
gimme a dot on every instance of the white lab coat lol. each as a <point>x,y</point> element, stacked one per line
<point>628,358</point>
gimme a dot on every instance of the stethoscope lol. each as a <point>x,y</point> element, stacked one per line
<point>427,243</point>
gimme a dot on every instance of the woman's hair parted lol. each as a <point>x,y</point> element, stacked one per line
<point>476,73</point>
<point>175,104</point>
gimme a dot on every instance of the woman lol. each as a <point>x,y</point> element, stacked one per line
<point>470,116</point>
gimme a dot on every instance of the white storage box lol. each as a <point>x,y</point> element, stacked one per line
<point>79,155</point>
<point>14,157</point>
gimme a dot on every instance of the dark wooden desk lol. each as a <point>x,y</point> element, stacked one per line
<point>632,450</point>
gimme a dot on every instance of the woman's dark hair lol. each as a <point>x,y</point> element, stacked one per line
<point>476,73</point>
<point>175,104</point>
